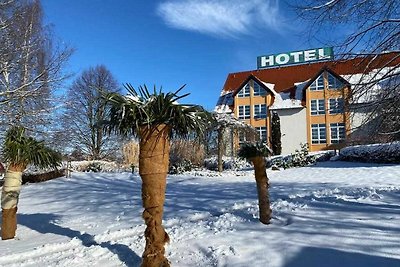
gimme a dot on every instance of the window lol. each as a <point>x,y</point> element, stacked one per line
<point>333,82</point>
<point>258,90</point>
<point>242,137</point>
<point>260,111</point>
<point>318,84</point>
<point>317,106</point>
<point>318,133</point>
<point>337,132</point>
<point>262,133</point>
<point>245,92</point>
<point>244,112</point>
<point>336,106</point>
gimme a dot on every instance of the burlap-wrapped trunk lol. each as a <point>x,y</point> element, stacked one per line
<point>153,169</point>
<point>262,189</point>
<point>9,201</point>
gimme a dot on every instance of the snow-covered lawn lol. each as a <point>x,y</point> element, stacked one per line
<point>331,214</point>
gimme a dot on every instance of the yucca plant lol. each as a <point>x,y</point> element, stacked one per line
<point>255,152</point>
<point>153,117</point>
<point>19,151</point>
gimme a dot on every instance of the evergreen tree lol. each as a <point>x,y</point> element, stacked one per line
<point>276,142</point>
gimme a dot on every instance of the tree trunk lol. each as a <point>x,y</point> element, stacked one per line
<point>262,189</point>
<point>220,148</point>
<point>153,169</point>
<point>9,200</point>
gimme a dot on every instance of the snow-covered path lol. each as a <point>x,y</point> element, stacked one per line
<point>332,214</point>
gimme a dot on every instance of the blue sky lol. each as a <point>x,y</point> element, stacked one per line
<point>174,42</point>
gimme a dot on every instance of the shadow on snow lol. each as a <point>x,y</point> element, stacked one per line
<point>44,223</point>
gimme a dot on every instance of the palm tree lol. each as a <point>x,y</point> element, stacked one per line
<point>19,151</point>
<point>255,152</point>
<point>153,117</point>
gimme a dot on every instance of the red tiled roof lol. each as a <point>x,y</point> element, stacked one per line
<point>284,78</point>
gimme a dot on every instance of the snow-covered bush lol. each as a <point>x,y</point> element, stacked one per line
<point>379,153</point>
<point>97,166</point>
<point>300,158</point>
<point>229,163</point>
<point>181,167</point>
<point>93,167</point>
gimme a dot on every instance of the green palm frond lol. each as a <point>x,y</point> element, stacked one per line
<point>251,150</point>
<point>126,114</point>
<point>20,149</point>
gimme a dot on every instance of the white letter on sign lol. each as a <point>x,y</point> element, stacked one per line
<point>296,56</point>
<point>321,54</point>
<point>265,62</point>
<point>282,58</point>
<point>309,55</point>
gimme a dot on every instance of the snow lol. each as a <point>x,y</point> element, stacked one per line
<point>283,100</point>
<point>222,109</point>
<point>331,214</point>
<point>361,80</point>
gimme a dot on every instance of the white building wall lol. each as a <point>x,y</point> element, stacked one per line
<point>293,128</point>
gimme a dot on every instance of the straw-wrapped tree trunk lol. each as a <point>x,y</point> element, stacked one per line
<point>9,200</point>
<point>262,182</point>
<point>154,162</point>
<point>153,117</point>
<point>256,153</point>
<point>20,151</point>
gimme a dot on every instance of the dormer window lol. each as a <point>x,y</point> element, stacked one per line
<point>318,84</point>
<point>245,92</point>
<point>258,90</point>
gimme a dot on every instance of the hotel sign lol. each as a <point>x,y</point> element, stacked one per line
<point>296,57</point>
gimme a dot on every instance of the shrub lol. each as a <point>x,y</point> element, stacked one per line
<point>93,167</point>
<point>181,167</point>
<point>299,158</point>
<point>130,153</point>
<point>228,163</point>
<point>378,153</point>
<point>185,155</point>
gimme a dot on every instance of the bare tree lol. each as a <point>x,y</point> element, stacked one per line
<point>31,66</point>
<point>367,30</point>
<point>86,110</point>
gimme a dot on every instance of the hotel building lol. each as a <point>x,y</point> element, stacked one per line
<point>312,97</point>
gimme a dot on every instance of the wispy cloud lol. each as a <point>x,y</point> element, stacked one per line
<point>227,18</point>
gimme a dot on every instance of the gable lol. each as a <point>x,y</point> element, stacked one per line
<point>285,77</point>
<point>257,81</point>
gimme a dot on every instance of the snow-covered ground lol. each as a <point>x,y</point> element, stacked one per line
<point>331,214</point>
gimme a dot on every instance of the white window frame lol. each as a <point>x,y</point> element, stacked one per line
<point>337,132</point>
<point>258,90</point>
<point>334,83</point>
<point>257,111</point>
<point>318,109</point>
<point>242,112</point>
<point>318,84</point>
<point>336,105</point>
<point>319,129</point>
<point>262,131</point>
<point>242,137</point>
<point>245,92</point>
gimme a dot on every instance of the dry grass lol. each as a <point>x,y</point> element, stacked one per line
<point>130,153</point>
<point>182,149</point>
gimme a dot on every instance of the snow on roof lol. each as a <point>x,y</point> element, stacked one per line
<point>271,87</point>
<point>284,101</point>
<point>359,81</point>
